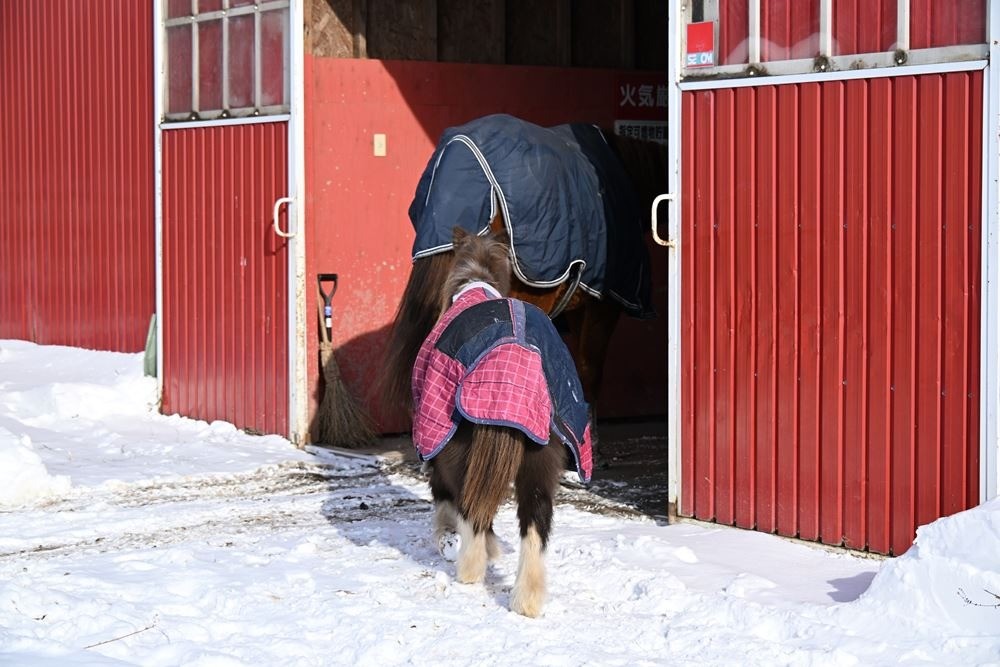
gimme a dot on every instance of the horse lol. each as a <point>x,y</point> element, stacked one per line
<point>588,319</point>
<point>526,441</point>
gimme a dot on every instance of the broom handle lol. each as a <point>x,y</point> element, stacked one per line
<point>320,309</point>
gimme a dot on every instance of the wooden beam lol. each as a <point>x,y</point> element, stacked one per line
<point>564,32</point>
<point>627,30</point>
<point>360,28</point>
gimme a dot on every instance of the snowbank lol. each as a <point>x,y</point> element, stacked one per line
<point>949,578</point>
<point>45,385</point>
<point>23,476</point>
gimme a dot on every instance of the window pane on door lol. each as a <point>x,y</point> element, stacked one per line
<point>789,29</point>
<point>177,8</point>
<point>226,58</point>
<point>241,61</point>
<point>934,23</point>
<point>274,36</point>
<point>179,69</point>
<point>210,65</point>
<point>864,26</point>
<point>733,32</point>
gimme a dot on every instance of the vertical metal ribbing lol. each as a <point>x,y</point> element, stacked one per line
<point>686,304</point>
<point>810,304</point>
<point>904,353</point>
<point>787,311</point>
<point>856,225</point>
<point>881,305</point>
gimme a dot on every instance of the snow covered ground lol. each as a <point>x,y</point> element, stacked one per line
<point>128,537</point>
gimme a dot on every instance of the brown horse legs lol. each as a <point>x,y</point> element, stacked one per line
<point>590,328</point>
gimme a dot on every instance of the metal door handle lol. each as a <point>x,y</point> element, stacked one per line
<point>653,222</point>
<point>277,228</point>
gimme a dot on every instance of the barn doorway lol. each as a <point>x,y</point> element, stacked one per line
<point>385,79</point>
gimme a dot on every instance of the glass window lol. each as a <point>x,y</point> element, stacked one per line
<point>225,58</point>
<point>864,26</point>
<point>734,32</point>
<point>935,23</point>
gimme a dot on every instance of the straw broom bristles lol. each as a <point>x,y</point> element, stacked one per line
<point>340,421</point>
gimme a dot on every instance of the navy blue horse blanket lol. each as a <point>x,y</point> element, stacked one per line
<point>564,195</point>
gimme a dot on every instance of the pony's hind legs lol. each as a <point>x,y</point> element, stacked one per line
<point>446,529</point>
<point>445,525</point>
<point>472,555</point>
<point>479,481</point>
<point>447,535</point>
<point>494,457</point>
<point>528,596</point>
<point>535,489</point>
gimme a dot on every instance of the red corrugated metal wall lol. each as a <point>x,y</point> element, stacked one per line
<point>225,283</point>
<point>831,239</point>
<point>76,173</point>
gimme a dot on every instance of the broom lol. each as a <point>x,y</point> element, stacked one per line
<point>340,421</point>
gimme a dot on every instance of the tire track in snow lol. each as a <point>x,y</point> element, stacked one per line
<point>233,508</point>
<point>277,498</point>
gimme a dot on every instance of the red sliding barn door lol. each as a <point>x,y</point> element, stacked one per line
<point>225,117</point>
<point>831,306</point>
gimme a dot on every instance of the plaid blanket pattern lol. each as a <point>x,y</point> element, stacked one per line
<point>505,384</point>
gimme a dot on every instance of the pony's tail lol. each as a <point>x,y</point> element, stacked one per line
<point>418,311</point>
<point>494,460</point>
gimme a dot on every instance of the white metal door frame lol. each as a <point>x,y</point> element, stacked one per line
<point>298,406</point>
<point>989,339</point>
<point>675,25</point>
<point>158,83</point>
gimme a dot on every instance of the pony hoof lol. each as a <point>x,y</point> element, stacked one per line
<point>526,605</point>
<point>571,479</point>
<point>470,573</point>
<point>448,545</point>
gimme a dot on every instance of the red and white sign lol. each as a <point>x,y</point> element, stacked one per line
<point>700,44</point>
